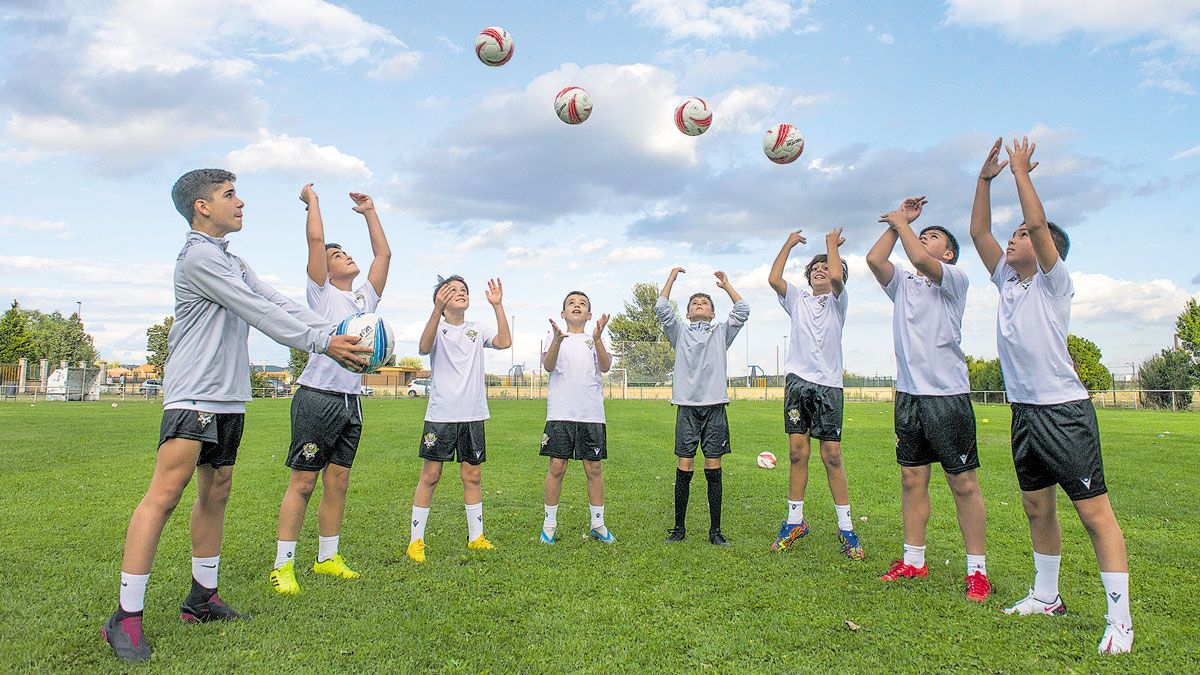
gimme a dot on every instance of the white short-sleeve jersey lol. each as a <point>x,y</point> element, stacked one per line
<point>815,346</point>
<point>927,331</point>
<point>576,391</point>
<point>335,304</point>
<point>456,386</point>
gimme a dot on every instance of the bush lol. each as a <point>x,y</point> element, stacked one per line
<point>1170,369</point>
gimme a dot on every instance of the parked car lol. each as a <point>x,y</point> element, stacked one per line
<point>150,387</point>
<point>277,389</point>
<point>366,391</point>
<point>418,387</point>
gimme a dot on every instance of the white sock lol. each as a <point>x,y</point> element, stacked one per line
<point>550,522</point>
<point>914,555</point>
<point>1116,590</point>
<point>133,591</point>
<point>795,512</point>
<point>1045,577</point>
<point>420,515</point>
<point>326,547</point>
<point>843,513</point>
<point>474,521</point>
<point>204,570</point>
<point>976,563</point>
<point>284,551</point>
<point>598,518</point>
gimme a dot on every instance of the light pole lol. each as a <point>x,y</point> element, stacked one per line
<point>79,309</point>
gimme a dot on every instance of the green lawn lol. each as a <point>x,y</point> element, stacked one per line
<point>73,473</point>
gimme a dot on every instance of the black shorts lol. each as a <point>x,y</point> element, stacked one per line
<point>1060,444</point>
<point>813,409</point>
<point>326,427</point>
<point>454,441</point>
<point>220,434</point>
<point>936,429</point>
<point>575,440</point>
<point>706,425</point>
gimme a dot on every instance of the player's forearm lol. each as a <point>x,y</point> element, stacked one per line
<point>550,360</point>
<point>877,257</point>
<point>1031,205</point>
<point>314,232</point>
<point>379,242</point>
<point>603,358</point>
<point>503,339</point>
<point>981,211</point>
<point>733,294</point>
<point>425,344</point>
<point>666,289</point>
<point>775,277</point>
<point>916,252</point>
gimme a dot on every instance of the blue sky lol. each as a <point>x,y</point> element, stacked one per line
<point>103,105</point>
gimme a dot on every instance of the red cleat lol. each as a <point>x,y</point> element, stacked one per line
<point>902,570</point>
<point>978,587</point>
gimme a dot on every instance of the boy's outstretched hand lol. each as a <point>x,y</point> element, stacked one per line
<point>992,166</point>
<point>599,329</point>
<point>494,292</point>
<point>556,333</point>
<point>722,280</point>
<point>908,211</point>
<point>1019,156</point>
<point>795,239</point>
<point>308,195</point>
<point>835,239</point>
<point>442,298</point>
<point>362,203</point>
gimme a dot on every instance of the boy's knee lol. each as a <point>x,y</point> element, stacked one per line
<point>430,477</point>
<point>1037,506</point>
<point>592,469</point>
<point>558,468</point>
<point>304,482</point>
<point>911,478</point>
<point>686,463</point>
<point>831,456</point>
<point>963,485</point>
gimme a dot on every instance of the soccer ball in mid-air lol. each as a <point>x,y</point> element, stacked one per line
<point>573,105</point>
<point>693,117</point>
<point>783,143</point>
<point>375,333</point>
<point>766,460</point>
<point>494,46</point>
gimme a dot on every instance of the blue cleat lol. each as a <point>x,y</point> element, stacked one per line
<point>606,538</point>
<point>547,539</point>
<point>851,546</point>
<point>789,533</point>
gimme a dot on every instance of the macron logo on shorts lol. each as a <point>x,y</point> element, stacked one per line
<point>962,459</point>
<point>1087,482</point>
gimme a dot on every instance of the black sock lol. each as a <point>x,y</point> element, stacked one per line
<point>122,614</point>
<point>683,486</point>
<point>714,498</point>
<point>199,594</point>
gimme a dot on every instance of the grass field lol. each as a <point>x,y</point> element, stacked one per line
<point>73,473</point>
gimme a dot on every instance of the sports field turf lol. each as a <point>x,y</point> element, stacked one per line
<point>73,473</point>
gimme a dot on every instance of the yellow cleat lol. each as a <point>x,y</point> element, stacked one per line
<point>335,567</point>
<point>416,551</point>
<point>283,579</point>
<point>480,544</point>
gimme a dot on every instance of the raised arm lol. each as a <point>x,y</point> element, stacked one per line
<point>314,230</point>
<point>723,283</point>
<point>877,257</point>
<point>1019,162</point>
<point>603,358</point>
<point>986,245</point>
<point>837,278</point>
<point>901,220</point>
<point>550,358</point>
<point>495,295</point>
<point>378,273</point>
<point>425,344</point>
<point>666,289</point>
<point>775,278</point>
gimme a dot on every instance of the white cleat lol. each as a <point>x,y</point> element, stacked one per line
<point>1031,605</point>
<point>1117,638</point>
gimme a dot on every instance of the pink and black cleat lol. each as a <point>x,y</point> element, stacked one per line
<point>214,609</point>
<point>125,637</point>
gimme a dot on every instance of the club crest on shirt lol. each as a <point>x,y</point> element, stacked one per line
<point>793,415</point>
<point>545,439</point>
<point>1024,282</point>
<point>822,300</point>
<point>204,418</point>
<point>308,451</point>
<point>472,333</point>
<point>590,343</point>
<point>429,439</point>
<point>360,301</point>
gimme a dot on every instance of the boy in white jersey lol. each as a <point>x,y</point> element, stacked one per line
<point>934,419</point>
<point>326,414</point>
<point>205,389</point>
<point>699,389</point>
<point>457,403</point>
<point>812,405</point>
<point>575,411</point>
<point>1055,439</point>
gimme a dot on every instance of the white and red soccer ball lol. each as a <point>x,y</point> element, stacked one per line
<point>693,116</point>
<point>783,143</point>
<point>494,46</point>
<point>766,460</point>
<point>573,105</point>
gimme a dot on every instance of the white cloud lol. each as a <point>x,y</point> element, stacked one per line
<point>398,66</point>
<point>1121,301</point>
<point>450,44</point>
<point>1190,152</point>
<point>635,254</point>
<point>295,155</point>
<point>11,224</point>
<point>747,109</point>
<point>885,38</point>
<point>1110,20</point>
<point>492,237</point>
<point>87,271</point>
<point>705,19</point>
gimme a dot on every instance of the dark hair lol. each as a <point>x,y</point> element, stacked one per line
<point>1062,243</point>
<point>443,281</point>
<point>197,184</point>
<point>950,239</point>
<point>706,296</point>
<point>822,257</point>
<point>337,246</point>
<point>585,297</point>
